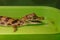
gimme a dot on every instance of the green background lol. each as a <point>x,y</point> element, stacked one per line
<point>32,32</point>
<point>53,3</point>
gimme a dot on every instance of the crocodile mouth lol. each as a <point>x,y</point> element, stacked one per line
<point>35,22</point>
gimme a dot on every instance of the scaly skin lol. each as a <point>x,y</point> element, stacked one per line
<point>30,18</point>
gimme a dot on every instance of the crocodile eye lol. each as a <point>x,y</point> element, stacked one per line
<point>29,17</point>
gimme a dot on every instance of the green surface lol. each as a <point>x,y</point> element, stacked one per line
<point>50,14</point>
<point>31,32</point>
